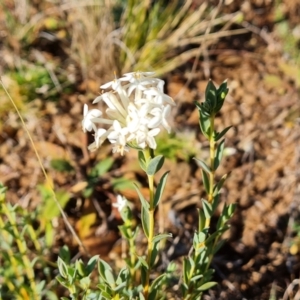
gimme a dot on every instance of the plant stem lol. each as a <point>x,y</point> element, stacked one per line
<point>148,156</point>
<point>212,144</point>
<point>132,248</point>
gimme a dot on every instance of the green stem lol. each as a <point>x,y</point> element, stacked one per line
<point>148,156</point>
<point>132,247</point>
<point>212,149</point>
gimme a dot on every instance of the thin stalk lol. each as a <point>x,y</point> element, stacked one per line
<point>149,155</point>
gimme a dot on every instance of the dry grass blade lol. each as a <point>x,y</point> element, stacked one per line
<point>89,25</point>
<point>154,35</point>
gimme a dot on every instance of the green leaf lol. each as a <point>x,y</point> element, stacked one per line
<point>120,286</point>
<point>159,237</point>
<point>64,254</point>
<point>91,264</point>
<point>219,154</point>
<point>155,165</point>
<point>221,94</point>
<point>154,254</point>
<point>145,221</point>
<point>219,135</point>
<point>212,237</point>
<point>62,268</point>
<point>197,277</point>
<point>215,202</point>
<point>211,96</point>
<point>61,165</point>
<point>124,231</point>
<point>203,165</point>
<point>109,277</point>
<point>144,272</point>
<point>80,267</point>
<point>141,296</point>
<point>207,208</point>
<point>218,246</point>
<point>205,181</point>
<point>50,209</point>
<point>122,276</point>
<point>105,292</point>
<point>120,184</point>
<point>219,185</point>
<point>158,281</point>
<point>201,221</point>
<point>142,161</point>
<point>204,122</point>
<point>85,282</point>
<point>160,188</point>
<point>144,202</point>
<point>156,286</point>
<point>186,269</point>
<point>102,167</point>
<point>206,286</point>
<point>102,266</point>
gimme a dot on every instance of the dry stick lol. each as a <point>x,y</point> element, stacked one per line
<point>64,215</point>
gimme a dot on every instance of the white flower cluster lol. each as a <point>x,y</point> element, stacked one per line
<point>136,109</point>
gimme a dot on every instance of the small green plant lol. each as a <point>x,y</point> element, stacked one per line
<point>197,274</point>
<point>137,107</point>
<point>20,259</point>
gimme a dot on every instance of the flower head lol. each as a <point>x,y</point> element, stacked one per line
<point>137,108</point>
<point>121,203</point>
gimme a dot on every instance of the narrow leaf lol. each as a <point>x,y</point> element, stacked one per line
<point>218,246</point>
<point>207,286</point>
<point>159,237</point>
<point>202,220</point>
<point>91,264</point>
<point>155,165</point>
<point>207,208</point>
<point>62,267</point>
<point>142,160</point>
<point>219,155</point>
<point>160,188</point>
<point>211,94</point>
<point>144,202</point>
<point>145,221</point>
<point>197,277</point>
<point>219,135</point>
<point>204,122</point>
<point>219,185</point>
<point>102,266</point>
<point>205,181</point>
<point>203,165</point>
<point>154,254</point>
<point>109,277</point>
<point>156,285</point>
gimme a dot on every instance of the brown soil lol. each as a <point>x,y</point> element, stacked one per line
<point>261,256</point>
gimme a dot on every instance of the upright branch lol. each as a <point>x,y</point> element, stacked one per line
<point>196,272</point>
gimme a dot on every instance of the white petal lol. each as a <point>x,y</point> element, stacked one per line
<point>151,142</point>
<point>154,132</point>
<point>85,109</point>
